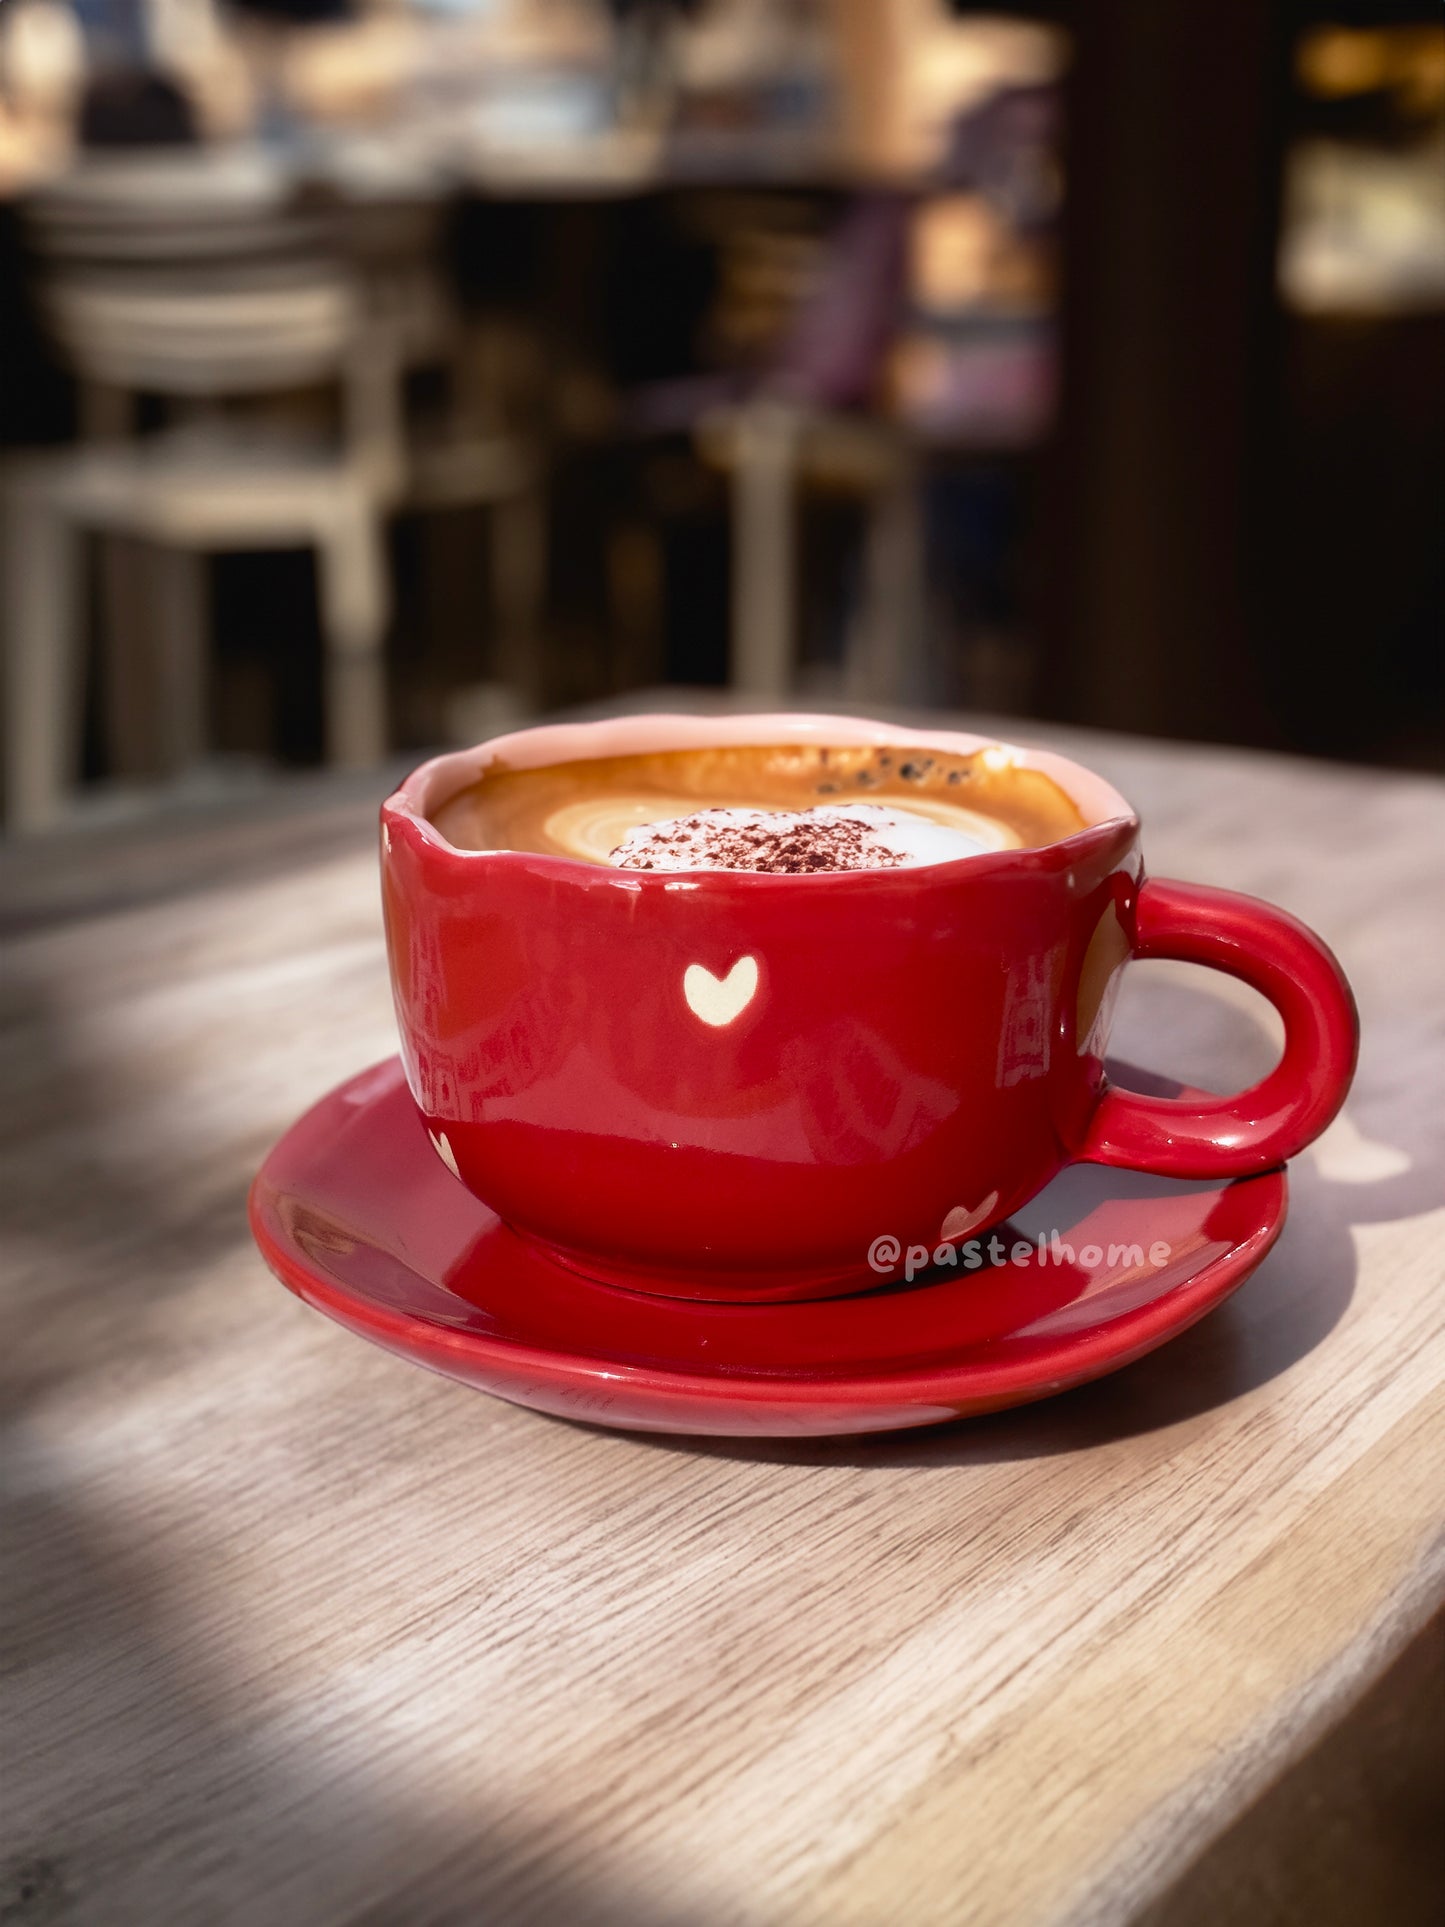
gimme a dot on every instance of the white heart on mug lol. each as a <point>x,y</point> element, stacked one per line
<point>718,1000</point>
<point>441,1144</point>
<point>960,1221</point>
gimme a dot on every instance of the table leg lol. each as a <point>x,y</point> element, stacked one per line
<point>518,526</point>
<point>764,563</point>
<point>351,570</point>
<point>886,658</point>
<point>42,578</point>
<point>182,631</point>
<point>129,675</point>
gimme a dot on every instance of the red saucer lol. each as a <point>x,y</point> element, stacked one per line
<point>354,1212</point>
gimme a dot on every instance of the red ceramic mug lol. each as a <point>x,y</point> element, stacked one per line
<point>723,1085</point>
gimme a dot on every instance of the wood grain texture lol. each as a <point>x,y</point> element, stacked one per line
<point>298,1634</point>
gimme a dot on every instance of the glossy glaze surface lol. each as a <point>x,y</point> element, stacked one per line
<point>357,1216</point>
<point>727,1086</point>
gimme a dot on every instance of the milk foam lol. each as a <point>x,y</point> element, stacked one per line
<point>829,836</point>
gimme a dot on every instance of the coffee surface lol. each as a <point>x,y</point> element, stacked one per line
<point>829,836</point>
<point>587,809</point>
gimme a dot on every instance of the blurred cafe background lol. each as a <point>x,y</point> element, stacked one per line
<point>380,373</point>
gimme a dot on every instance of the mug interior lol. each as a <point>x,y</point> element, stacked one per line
<point>435,783</point>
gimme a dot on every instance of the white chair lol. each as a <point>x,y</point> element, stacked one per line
<point>206,292</point>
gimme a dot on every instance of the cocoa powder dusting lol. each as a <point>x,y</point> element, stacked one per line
<point>835,843</point>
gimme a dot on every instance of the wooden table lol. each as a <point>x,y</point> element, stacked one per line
<point>303,1635</point>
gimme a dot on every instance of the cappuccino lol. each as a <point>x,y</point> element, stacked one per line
<point>774,808</point>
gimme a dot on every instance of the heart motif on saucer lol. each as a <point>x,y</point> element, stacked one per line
<point>718,1000</point>
<point>441,1144</point>
<point>960,1221</point>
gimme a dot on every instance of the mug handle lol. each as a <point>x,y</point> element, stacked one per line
<point>1228,1137</point>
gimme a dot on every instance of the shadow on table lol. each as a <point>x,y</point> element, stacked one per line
<point>1291,1305</point>
<point>144,1785</point>
<point>78,1200</point>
